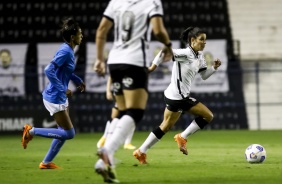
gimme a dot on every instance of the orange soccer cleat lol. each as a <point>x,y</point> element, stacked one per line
<point>140,156</point>
<point>181,142</point>
<point>49,165</point>
<point>26,135</point>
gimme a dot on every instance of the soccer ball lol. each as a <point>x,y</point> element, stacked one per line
<point>255,153</point>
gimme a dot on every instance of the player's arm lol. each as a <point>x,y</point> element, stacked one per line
<point>205,74</point>
<point>109,94</point>
<point>100,39</point>
<point>157,60</point>
<point>161,35</point>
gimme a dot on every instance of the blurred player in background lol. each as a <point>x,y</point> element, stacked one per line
<point>187,63</point>
<point>111,124</point>
<point>56,94</point>
<point>133,22</point>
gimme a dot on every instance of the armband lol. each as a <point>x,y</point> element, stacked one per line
<point>159,58</point>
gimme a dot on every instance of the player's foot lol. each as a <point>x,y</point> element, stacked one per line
<point>181,142</point>
<point>129,146</point>
<point>104,167</point>
<point>101,142</point>
<point>140,156</point>
<point>26,135</point>
<point>108,175</point>
<point>50,165</point>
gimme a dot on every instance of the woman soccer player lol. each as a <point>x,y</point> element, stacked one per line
<point>133,23</point>
<point>56,94</point>
<point>187,63</point>
<point>111,124</point>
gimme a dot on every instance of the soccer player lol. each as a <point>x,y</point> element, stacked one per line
<point>133,23</point>
<point>187,63</point>
<point>55,96</point>
<point>111,124</point>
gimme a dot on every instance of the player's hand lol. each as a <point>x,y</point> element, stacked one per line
<point>217,63</point>
<point>99,67</point>
<point>81,87</point>
<point>167,53</point>
<point>69,93</point>
<point>109,95</point>
<point>152,68</point>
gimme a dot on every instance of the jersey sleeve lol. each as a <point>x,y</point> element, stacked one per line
<point>203,63</point>
<point>77,80</point>
<point>109,13</point>
<point>60,58</point>
<point>180,55</point>
<point>157,9</point>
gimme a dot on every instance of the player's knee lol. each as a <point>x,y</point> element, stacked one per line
<point>136,114</point>
<point>70,133</point>
<point>201,122</point>
<point>209,118</point>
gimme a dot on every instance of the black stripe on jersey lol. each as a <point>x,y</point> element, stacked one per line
<point>156,15</point>
<point>109,18</point>
<point>179,80</point>
<point>179,71</point>
<point>196,55</point>
<point>144,53</point>
<point>202,69</point>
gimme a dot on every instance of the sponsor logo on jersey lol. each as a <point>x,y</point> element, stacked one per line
<point>181,56</point>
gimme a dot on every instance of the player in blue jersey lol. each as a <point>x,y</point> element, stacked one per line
<point>55,96</point>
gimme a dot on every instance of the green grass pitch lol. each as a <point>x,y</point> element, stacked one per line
<point>214,157</point>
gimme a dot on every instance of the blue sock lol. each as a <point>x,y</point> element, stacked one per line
<point>55,133</point>
<point>53,150</point>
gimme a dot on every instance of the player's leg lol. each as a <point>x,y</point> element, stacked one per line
<point>110,126</point>
<point>61,115</point>
<point>133,98</point>
<point>170,118</point>
<point>65,125</point>
<point>127,143</point>
<point>205,116</point>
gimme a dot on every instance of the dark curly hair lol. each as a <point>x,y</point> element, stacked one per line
<point>69,27</point>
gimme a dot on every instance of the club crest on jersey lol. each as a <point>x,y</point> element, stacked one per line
<point>127,81</point>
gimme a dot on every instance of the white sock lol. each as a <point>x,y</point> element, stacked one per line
<point>129,137</point>
<point>31,131</point>
<point>111,128</point>
<point>149,142</point>
<point>192,128</point>
<point>106,128</point>
<point>124,126</point>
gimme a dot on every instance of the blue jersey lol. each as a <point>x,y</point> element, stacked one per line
<point>60,72</point>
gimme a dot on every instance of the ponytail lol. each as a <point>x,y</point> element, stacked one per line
<point>190,32</point>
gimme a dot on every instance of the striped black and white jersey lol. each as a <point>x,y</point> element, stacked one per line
<point>185,67</point>
<point>132,29</point>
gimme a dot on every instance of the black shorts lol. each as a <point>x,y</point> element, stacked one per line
<point>128,77</point>
<point>180,105</point>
